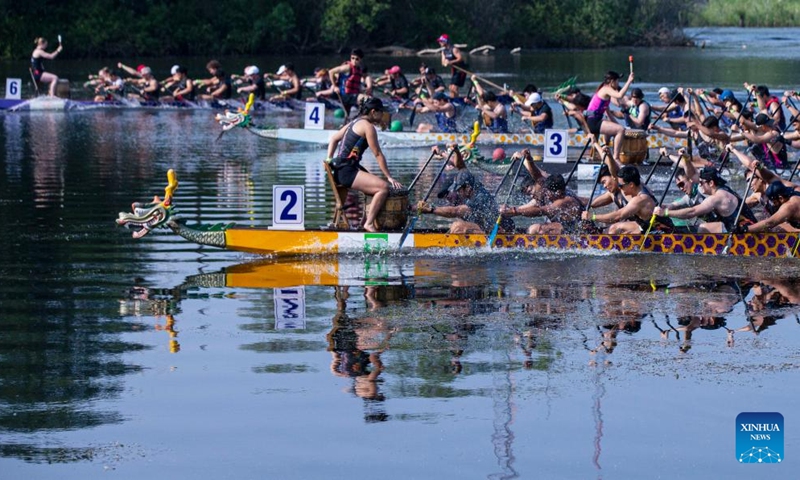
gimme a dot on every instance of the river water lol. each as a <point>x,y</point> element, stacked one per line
<point>158,358</point>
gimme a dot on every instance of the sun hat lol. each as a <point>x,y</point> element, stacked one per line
<point>174,69</point>
<point>251,70</point>
<point>663,90</point>
<point>281,69</point>
<point>534,97</point>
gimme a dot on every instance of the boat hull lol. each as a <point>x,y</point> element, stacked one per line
<point>307,242</point>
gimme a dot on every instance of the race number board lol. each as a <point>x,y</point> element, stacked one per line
<point>555,146</point>
<point>288,207</point>
<point>290,308</point>
<point>315,116</point>
<point>14,88</point>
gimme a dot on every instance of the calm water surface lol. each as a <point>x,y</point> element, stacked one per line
<point>158,358</point>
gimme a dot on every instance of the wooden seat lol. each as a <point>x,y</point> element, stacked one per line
<point>33,79</point>
<point>339,195</point>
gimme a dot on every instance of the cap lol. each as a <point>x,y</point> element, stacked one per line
<point>726,95</point>
<point>146,71</point>
<point>174,69</point>
<point>443,38</point>
<point>534,97</point>
<point>778,189</point>
<point>140,67</point>
<point>281,70</point>
<point>711,173</point>
<point>251,70</point>
<point>429,71</point>
<point>663,90</point>
<point>763,119</point>
<point>440,96</point>
<point>498,155</point>
<point>394,70</point>
<point>637,93</point>
<point>463,179</point>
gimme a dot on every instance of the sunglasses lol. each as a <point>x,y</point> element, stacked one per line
<point>681,184</point>
<point>622,184</point>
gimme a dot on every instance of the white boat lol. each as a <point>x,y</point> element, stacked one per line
<point>399,139</point>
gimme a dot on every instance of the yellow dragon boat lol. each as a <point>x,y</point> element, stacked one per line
<point>284,242</point>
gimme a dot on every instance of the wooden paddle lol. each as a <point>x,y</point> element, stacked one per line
<point>414,219</point>
<point>478,77</point>
<point>496,228</point>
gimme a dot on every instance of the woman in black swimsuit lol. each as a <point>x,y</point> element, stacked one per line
<point>37,65</point>
<point>345,150</point>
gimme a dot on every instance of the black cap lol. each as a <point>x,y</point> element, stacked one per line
<point>778,189</point>
<point>463,178</point>
<point>711,174</point>
<point>763,119</point>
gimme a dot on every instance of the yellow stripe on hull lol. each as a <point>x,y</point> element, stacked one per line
<point>282,242</point>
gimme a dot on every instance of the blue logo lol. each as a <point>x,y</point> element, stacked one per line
<point>759,437</point>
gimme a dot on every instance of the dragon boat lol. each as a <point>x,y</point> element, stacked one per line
<point>161,213</point>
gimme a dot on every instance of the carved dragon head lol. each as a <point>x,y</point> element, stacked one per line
<point>147,216</point>
<point>240,118</point>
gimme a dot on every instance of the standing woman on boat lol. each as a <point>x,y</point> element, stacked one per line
<point>607,91</point>
<point>345,150</point>
<point>37,65</point>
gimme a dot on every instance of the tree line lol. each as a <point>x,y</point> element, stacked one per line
<point>152,28</point>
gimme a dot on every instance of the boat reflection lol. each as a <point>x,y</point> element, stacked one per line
<point>498,328</point>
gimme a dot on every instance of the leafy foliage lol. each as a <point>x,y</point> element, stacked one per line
<point>144,28</point>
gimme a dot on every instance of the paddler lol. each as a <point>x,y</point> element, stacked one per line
<point>720,207</point>
<point>494,113</point>
<point>788,202</point>
<point>635,203</point>
<point>345,150</point>
<point>472,207</point>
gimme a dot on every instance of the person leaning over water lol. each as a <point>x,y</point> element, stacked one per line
<point>345,150</point>
<point>561,208</point>
<point>37,65</point>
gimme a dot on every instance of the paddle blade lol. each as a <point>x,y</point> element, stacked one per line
<point>412,116</point>
<point>493,235</point>
<point>407,231</point>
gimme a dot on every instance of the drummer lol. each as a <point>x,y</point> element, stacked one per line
<point>344,156</point>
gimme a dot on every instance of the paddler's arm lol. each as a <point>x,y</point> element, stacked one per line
<point>707,206</point>
<point>447,211</point>
<point>600,200</point>
<point>783,214</point>
<point>746,161</point>
<point>530,209</point>
<point>458,159</point>
<point>629,210</point>
<point>669,131</point>
<point>128,69</point>
<point>372,141</point>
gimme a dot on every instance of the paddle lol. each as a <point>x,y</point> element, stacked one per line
<point>478,77</point>
<point>503,180</point>
<point>630,61</point>
<point>663,195</point>
<point>413,221</point>
<point>580,157</point>
<point>496,228</point>
<point>414,182</point>
<point>596,183</point>
<point>412,116</point>
<point>666,108</point>
<point>653,168</point>
<point>739,212</point>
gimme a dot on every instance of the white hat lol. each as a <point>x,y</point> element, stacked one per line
<point>174,69</point>
<point>146,71</point>
<point>282,69</point>
<point>251,70</point>
<point>533,98</point>
<point>663,90</point>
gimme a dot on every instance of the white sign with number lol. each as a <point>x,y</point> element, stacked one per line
<point>14,88</point>
<point>555,146</point>
<point>288,207</point>
<point>290,308</point>
<point>315,116</point>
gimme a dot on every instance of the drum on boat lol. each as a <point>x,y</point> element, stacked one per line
<point>634,147</point>
<point>394,214</point>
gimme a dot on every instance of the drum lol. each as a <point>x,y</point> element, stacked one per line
<point>634,147</point>
<point>394,214</point>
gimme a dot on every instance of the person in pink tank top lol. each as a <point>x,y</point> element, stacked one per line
<point>607,91</point>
